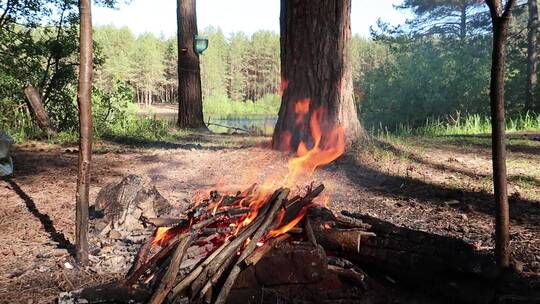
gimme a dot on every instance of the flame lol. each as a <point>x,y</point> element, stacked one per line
<point>301,108</point>
<point>215,206</point>
<point>322,152</point>
<point>285,228</point>
<point>325,144</point>
<point>159,236</point>
<point>283,86</point>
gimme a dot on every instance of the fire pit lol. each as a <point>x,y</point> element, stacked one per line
<point>243,245</point>
<point>218,244</point>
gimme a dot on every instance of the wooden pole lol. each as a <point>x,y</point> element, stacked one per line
<point>500,19</point>
<point>84,99</point>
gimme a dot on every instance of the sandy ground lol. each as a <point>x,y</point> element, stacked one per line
<point>439,188</point>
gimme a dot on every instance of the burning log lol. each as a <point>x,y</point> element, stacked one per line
<point>202,254</point>
<point>262,231</point>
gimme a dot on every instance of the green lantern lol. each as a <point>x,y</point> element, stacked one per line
<point>200,44</point>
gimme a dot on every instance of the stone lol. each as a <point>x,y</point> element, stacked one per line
<point>115,235</point>
<point>123,204</point>
<point>67,265</point>
<point>517,266</point>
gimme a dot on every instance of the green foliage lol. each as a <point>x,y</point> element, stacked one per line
<point>239,67</point>
<point>436,68</point>
<point>223,107</point>
<point>427,79</point>
<point>468,125</point>
<point>111,108</point>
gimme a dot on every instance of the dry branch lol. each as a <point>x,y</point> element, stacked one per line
<point>261,231</point>
<point>172,270</point>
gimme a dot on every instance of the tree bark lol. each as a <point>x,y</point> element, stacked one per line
<point>463,23</point>
<point>190,114</point>
<point>315,66</point>
<point>500,18</point>
<point>84,99</point>
<point>532,27</point>
<point>41,115</point>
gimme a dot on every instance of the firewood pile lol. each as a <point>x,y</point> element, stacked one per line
<point>199,257</point>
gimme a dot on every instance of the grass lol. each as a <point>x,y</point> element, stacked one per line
<point>223,107</point>
<point>468,125</point>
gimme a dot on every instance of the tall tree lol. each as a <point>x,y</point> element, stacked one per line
<point>84,99</point>
<point>450,18</point>
<point>532,56</point>
<point>237,65</point>
<point>500,19</point>
<point>315,65</point>
<point>190,114</point>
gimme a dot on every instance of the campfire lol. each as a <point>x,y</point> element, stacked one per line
<point>200,255</point>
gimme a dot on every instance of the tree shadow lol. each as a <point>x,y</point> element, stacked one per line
<point>482,141</point>
<point>437,166</point>
<point>202,143</point>
<point>45,220</point>
<point>521,210</point>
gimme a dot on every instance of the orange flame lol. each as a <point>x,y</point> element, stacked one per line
<point>283,86</point>
<point>159,236</point>
<point>285,228</point>
<point>321,153</point>
<point>301,108</point>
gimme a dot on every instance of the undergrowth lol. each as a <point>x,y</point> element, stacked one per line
<point>466,125</point>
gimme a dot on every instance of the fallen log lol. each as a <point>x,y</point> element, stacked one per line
<point>38,109</point>
<point>400,249</point>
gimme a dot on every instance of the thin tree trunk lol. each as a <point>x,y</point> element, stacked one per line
<point>498,141</point>
<point>463,23</point>
<point>531,57</point>
<point>500,19</point>
<point>190,114</point>
<point>315,66</point>
<point>84,98</point>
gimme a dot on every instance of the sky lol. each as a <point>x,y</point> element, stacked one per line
<point>159,16</point>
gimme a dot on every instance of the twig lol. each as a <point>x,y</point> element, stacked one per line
<point>261,231</point>
<point>228,127</point>
<point>309,231</point>
<point>195,273</point>
<point>172,270</point>
<point>258,254</point>
<point>153,260</point>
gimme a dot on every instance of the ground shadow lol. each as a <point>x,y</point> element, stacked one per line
<point>437,166</point>
<point>187,145</point>
<point>484,142</point>
<point>45,220</point>
<point>521,210</point>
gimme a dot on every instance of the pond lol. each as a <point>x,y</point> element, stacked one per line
<point>262,124</point>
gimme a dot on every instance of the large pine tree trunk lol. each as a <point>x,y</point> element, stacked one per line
<point>531,57</point>
<point>315,66</point>
<point>190,114</point>
<point>84,99</point>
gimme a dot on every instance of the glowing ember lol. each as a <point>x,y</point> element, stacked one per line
<point>285,228</point>
<point>159,236</point>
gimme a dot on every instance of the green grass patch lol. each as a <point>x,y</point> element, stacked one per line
<point>467,125</point>
<point>524,181</point>
<point>223,107</point>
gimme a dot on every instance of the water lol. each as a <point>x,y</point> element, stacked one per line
<point>261,124</point>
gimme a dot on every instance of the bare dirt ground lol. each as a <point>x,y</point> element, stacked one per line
<point>441,186</point>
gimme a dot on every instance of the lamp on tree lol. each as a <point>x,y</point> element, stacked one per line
<point>200,44</point>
